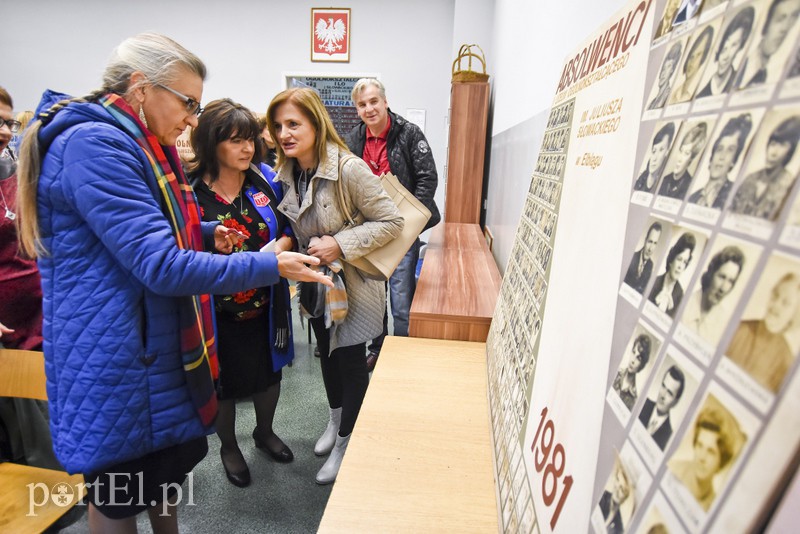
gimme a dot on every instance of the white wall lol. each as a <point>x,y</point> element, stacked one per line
<point>531,39</point>
<point>246,45</point>
<point>473,24</point>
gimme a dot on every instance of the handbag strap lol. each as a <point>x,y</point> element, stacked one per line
<point>340,191</point>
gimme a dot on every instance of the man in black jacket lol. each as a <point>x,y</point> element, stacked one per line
<point>389,143</point>
<point>655,414</point>
<point>641,266</point>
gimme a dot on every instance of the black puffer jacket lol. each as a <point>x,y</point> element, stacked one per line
<point>410,159</point>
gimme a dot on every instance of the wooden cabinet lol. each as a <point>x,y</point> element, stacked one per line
<point>469,110</point>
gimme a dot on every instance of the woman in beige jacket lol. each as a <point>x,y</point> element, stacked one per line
<point>309,164</point>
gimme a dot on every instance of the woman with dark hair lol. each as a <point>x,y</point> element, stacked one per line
<point>707,312</point>
<point>253,326</point>
<point>763,192</point>
<point>313,163</point>
<point>692,66</point>
<point>724,155</point>
<point>667,291</point>
<point>625,381</point>
<point>129,345</point>
<point>716,441</point>
<point>732,42</point>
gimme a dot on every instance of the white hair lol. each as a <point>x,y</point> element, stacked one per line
<point>363,83</point>
<point>154,55</point>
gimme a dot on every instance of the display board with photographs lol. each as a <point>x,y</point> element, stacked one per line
<point>513,338</point>
<point>564,217</point>
<point>682,362</point>
<point>711,270</point>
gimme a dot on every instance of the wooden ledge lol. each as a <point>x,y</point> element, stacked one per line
<point>458,286</point>
<point>420,457</point>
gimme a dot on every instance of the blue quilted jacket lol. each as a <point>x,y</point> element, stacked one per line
<point>110,280</point>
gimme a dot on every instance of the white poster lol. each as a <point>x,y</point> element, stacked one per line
<point>552,327</point>
<point>643,352</point>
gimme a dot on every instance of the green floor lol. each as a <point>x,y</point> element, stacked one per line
<point>282,497</point>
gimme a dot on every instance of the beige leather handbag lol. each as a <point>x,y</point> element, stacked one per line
<point>381,262</point>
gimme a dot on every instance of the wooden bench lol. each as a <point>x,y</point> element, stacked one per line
<point>30,501</point>
<point>458,286</point>
<point>420,458</point>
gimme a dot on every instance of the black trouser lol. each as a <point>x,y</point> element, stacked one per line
<point>345,375</point>
<point>377,343</point>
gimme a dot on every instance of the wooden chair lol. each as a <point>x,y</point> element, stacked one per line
<point>33,498</point>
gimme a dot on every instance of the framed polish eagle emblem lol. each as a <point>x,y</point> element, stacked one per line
<point>330,34</point>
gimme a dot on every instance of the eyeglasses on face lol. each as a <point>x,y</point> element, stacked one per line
<point>11,123</point>
<point>192,105</point>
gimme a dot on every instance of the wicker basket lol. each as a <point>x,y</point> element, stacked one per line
<point>469,75</point>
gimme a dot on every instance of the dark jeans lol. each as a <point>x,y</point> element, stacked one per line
<point>345,375</point>
<point>401,286</point>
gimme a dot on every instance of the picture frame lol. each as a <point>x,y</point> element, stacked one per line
<point>330,34</point>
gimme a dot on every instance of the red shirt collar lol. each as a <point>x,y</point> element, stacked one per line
<point>384,134</point>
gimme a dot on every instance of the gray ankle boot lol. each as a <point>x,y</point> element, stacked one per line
<point>331,467</point>
<point>328,438</point>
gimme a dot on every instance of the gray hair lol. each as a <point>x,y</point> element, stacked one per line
<point>156,56</point>
<point>363,83</point>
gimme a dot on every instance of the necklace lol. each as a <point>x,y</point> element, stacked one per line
<point>231,201</point>
<point>10,215</point>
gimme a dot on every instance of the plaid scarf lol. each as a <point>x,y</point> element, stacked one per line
<point>335,297</point>
<point>198,348</point>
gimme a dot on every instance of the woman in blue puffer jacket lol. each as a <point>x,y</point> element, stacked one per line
<point>128,330</point>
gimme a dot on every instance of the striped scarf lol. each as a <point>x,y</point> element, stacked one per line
<point>335,297</point>
<point>198,347</point>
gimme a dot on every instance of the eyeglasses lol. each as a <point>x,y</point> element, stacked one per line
<point>192,105</point>
<point>12,124</point>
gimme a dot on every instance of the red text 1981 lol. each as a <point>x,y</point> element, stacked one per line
<point>551,459</point>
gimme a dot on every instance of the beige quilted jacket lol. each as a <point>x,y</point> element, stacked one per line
<point>320,214</point>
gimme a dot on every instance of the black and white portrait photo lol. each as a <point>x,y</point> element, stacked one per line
<point>770,50</point>
<point>694,61</point>
<point>666,75</point>
<point>771,171</point>
<point>714,181</point>
<point>684,159</point>
<point>708,449</point>
<point>717,291</point>
<point>668,289</point>
<point>667,18</point>
<point>687,11</point>
<point>766,341</point>
<point>617,502</point>
<point>635,365</point>
<point>640,268</point>
<point>656,158</point>
<point>657,412</point>
<point>722,71</point>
